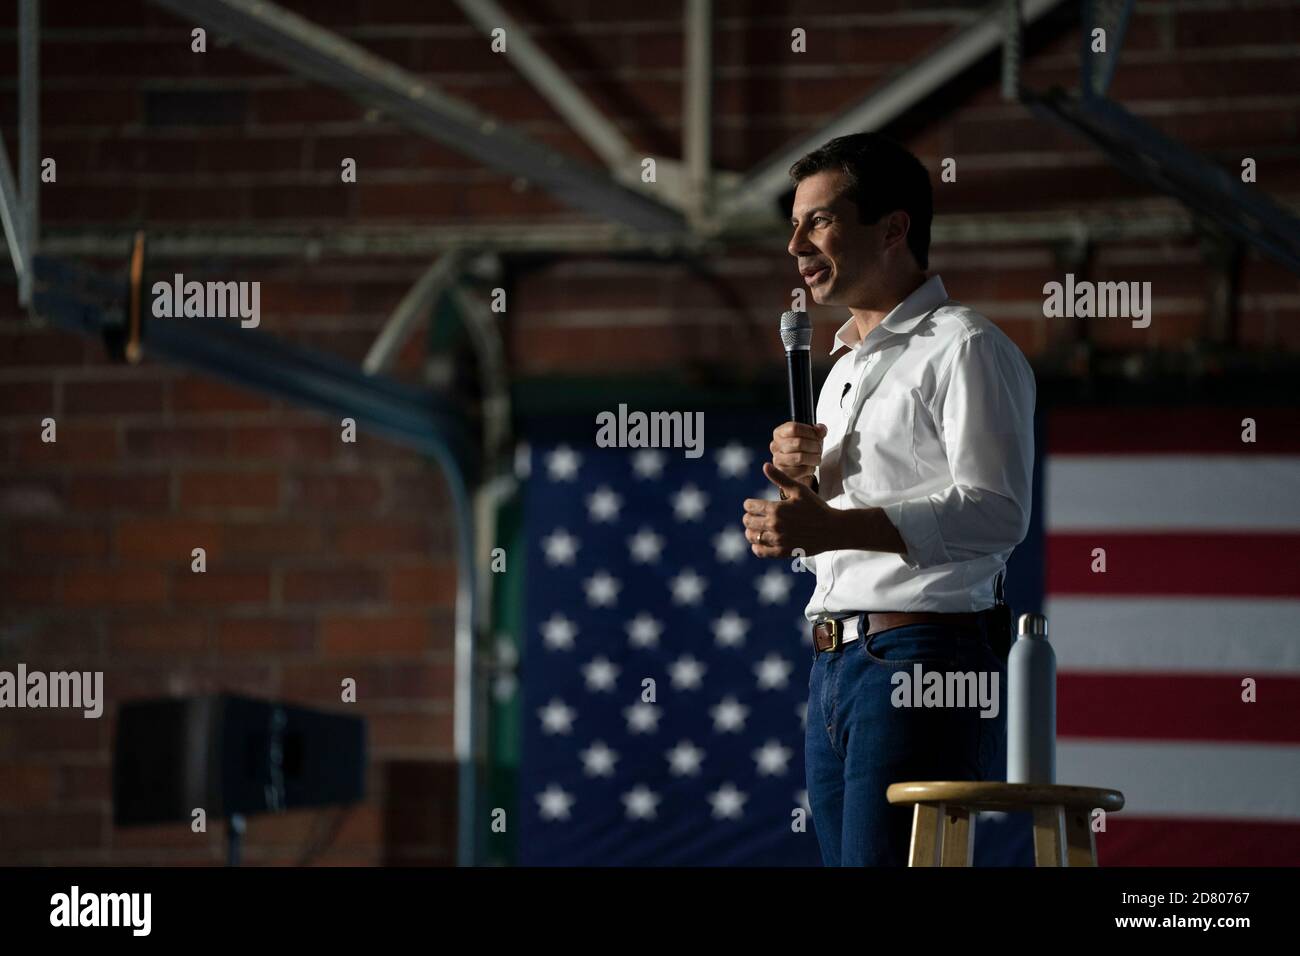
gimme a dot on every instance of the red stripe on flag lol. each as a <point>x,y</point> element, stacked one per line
<point>1163,841</point>
<point>1172,430</point>
<point>1178,707</point>
<point>1222,565</point>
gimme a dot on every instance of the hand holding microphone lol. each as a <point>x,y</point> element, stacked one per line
<point>797,450</point>
<point>797,445</point>
<point>801,519</point>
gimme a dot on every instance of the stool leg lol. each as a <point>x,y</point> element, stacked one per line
<point>1080,841</point>
<point>1049,836</point>
<point>927,834</point>
<point>958,841</point>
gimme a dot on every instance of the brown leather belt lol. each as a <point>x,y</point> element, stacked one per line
<point>827,634</point>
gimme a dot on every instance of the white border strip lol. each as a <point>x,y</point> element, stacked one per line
<point>1241,781</point>
<point>1185,492</point>
<point>1245,636</point>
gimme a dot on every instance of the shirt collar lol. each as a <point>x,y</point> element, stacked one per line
<point>925,298</point>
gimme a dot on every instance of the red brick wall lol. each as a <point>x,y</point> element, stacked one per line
<point>328,560</point>
<point>325,560</point>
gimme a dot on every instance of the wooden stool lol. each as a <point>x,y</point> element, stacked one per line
<point>943,826</point>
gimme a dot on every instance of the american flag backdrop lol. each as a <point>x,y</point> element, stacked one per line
<point>637,570</point>
<point>1201,590</point>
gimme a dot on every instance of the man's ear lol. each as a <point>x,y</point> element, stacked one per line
<point>897,223</point>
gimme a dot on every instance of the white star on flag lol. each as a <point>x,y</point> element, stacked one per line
<point>687,587</point>
<point>642,717</point>
<point>598,760</point>
<point>558,632</point>
<point>562,463</point>
<point>727,802</point>
<point>602,589</point>
<point>730,630</point>
<point>772,758</point>
<point>648,463</point>
<point>730,545</point>
<point>645,546</point>
<point>733,460</point>
<point>560,547</point>
<point>640,802</point>
<point>603,504</point>
<point>600,673</point>
<point>557,717</point>
<point>684,760</point>
<point>689,503</point>
<point>729,715</point>
<point>554,803</point>
<point>686,672</point>
<point>773,672</point>
<point>773,586</point>
<point>643,631</point>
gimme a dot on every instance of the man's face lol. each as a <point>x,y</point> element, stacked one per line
<point>839,257</point>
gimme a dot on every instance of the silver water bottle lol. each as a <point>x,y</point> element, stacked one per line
<point>1031,705</point>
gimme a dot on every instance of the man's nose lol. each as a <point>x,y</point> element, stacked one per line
<point>799,244</point>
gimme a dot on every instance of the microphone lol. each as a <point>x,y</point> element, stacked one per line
<point>796,336</point>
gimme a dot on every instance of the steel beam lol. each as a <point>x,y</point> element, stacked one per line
<point>697,108</point>
<point>1145,153</point>
<point>29,16</point>
<point>758,191</point>
<point>551,82</point>
<point>1098,69</point>
<point>413,309</point>
<point>405,242</point>
<point>471,689</point>
<point>1012,47</point>
<point>366,240</point>
<point>251,358</point>
<point>484,329</point>
<point>1148,219</point>
<point>273,33</point>
<point>15,226</point>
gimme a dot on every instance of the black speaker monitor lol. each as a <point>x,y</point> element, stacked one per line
<point>232,755</point>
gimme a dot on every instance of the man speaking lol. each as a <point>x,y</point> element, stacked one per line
<point>907,498</point>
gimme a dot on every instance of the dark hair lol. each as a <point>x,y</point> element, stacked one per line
<point>883,176</point>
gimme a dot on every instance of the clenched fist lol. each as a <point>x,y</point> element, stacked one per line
<point>797,450</point>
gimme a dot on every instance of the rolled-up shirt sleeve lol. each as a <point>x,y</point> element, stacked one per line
<point>984,409</point>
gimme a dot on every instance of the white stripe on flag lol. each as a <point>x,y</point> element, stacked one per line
<point>1225,635</point>
<point>1136,492</point>
<point>1241,781</point>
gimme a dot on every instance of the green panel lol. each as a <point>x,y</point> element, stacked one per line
<point>502,774</point>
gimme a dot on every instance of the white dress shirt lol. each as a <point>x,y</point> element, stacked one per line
<point>931,418</point>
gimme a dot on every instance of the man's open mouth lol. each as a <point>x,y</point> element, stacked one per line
<point>816,274</point>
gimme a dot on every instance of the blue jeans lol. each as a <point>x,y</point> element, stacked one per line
<point>858,743</point>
